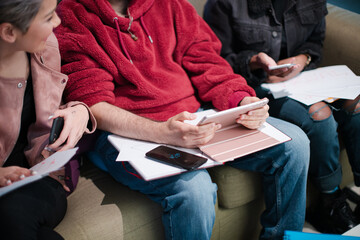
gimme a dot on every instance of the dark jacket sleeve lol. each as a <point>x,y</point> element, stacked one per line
<point>218,15</point>
<point>314,43</point>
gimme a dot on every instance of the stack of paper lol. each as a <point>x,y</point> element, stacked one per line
<point>326,83</point>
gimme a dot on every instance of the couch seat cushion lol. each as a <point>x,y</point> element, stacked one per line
<point>235,187</point>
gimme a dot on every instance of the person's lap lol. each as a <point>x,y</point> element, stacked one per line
<point>32,211</point>
<point>324,169</point>
<point>196,187</point>
<point>284,175</point>
<point>188,199</point>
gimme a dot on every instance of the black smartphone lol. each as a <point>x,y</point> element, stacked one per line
<point>176,157</point>
<point>56,129</point>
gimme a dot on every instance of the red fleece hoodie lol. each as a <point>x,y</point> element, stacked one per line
<point>161,60</point>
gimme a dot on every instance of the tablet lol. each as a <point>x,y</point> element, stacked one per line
<point>228,117</point>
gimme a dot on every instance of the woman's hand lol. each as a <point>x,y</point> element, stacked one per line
<point>263,61</point>
<point>58,175</point>
<point>288,73</point>
<point>178,133</point>
<point>8,175</point>
<point>75,122</point>
<point>254,118</point>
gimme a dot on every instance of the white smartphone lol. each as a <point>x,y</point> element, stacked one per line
<point>287,65</point>
<point>228,117</point>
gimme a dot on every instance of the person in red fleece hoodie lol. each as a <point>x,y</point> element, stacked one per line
<point>145,66</point>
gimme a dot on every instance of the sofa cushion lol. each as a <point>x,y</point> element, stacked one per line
<point>94,210</point>
<point>235,187</point>
<point>341,45</point>
<point>86,209</point>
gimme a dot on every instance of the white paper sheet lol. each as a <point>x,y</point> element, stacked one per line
<point>54,162</point>
<point>134,151</point>
<point>319,84</point>
<point>51,164</point>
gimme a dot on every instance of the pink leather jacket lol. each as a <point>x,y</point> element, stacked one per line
<point>48,85</point>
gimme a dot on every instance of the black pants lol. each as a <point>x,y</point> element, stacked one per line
<point>32,211</point>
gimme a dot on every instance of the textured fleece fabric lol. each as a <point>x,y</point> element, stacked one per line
<point>173,66</point>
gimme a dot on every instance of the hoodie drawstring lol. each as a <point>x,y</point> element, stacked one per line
<point>121,42</point>
<point>133,36</point>
<point>142,23</point>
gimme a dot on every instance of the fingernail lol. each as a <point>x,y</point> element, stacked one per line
<point>51,116</point>
<point>22,176</point>
<point>8,182</point>
<point>33,172</point>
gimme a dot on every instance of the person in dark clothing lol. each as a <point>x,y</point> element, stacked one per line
<point>257,34</point>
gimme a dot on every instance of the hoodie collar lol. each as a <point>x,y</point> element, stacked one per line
<point>135,11</point>
<point>103,9</point>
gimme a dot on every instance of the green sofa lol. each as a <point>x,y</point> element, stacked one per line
<point>101,208</point>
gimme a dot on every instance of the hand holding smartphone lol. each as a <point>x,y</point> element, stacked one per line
<point>56,129</point>
<point>176,157</point>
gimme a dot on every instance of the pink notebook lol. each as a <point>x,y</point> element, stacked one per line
<point>236,141</point>
<point>233,140</point>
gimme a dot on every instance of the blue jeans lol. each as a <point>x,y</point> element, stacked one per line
<point>284,174</point>
<point>188,199</point>
<point>324,169</point>
<point>349,128</point>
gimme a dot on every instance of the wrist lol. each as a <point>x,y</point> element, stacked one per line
<point>160,133</point>
<point>307,59</point>
<point>253,63</point>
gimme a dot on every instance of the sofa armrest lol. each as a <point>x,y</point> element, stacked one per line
<point>341,45</point>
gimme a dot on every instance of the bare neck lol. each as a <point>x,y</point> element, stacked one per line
<point>13,64</point>
<point>120,6</point>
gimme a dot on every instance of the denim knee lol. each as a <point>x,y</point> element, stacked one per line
<point>196,191</point>
<point>189,213</point>
<point>323,131</point>
<point>298,148</point>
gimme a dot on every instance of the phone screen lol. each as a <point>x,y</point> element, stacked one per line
<point>176,157</point>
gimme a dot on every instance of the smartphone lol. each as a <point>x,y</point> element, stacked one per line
<point>56,129</point>
<point>176,157</point>
<point>287,65</point>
